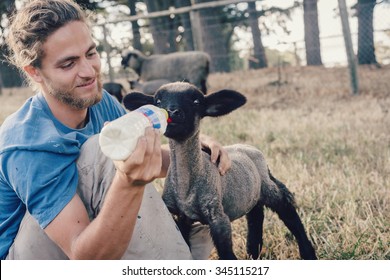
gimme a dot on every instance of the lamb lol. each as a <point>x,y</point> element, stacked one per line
<point>148,87</point>
<point>115,89</point>
<point>192,66</point>
<point>195,191</point>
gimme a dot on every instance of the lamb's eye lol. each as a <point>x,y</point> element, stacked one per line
<point>196,102</point>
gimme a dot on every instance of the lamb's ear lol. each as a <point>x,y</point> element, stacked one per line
<point>135,99</point>
<point>223,102</point>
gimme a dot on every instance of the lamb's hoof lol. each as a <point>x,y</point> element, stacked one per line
<point>253,252</point>
<point>228,257</point>
<point>309,256</point>
<point>308,253</point>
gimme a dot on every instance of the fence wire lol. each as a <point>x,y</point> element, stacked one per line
<point>283,39</point>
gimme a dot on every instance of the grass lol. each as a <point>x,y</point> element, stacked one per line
<point>331,149</point>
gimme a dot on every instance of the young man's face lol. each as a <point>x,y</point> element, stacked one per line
<point>70,68</point>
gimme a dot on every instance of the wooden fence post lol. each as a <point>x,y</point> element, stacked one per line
<point>349,47</point>
<point>196,28</point>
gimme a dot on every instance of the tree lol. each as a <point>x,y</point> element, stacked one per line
<point>162,28</point>
<point>1,84</point>
<point>214,41</point>
<point>9,75</point>
<point>312,33</point>
<point>166,32</point>
<point>260,60</point>
<point>88,4</point>
<point>185,22</point>
<point>135,26</point>
<point>6,8</point>
<point>366,48</point>
<point>365,12</point>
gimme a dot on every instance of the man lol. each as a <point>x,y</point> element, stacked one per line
<point>52,170</point>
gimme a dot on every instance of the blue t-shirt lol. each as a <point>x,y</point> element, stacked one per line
<point>38,162</point>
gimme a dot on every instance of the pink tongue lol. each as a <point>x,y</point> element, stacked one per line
<point>169,120</point>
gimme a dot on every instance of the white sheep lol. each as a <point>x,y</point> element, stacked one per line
<point>191,66</point>
<point>194,189</point>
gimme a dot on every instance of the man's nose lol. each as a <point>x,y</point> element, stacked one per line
<point>86,69</point>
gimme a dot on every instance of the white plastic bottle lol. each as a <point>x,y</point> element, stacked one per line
<point>119,138</point>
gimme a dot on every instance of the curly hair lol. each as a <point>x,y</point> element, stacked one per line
<point>34,23</point>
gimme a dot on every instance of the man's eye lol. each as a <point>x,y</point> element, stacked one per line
<point>67,65</point>
<point>91,54</point>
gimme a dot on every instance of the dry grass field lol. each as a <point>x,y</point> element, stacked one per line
<point>330,148</point>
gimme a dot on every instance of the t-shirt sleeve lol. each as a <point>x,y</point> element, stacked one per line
<point>45,182</point>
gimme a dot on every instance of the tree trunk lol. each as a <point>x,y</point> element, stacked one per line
<point>1,85</point>
<point>259,59</point>
<point>312,33</point>
<point>213,39</point>
<point>162,28</point>
<point>10,75</point>
<point>366,49</point>
<point>186,23</point>
<point>135,26</point>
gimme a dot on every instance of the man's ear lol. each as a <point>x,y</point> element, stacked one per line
<point>223,102</point>
<point>134,100</point>
<point>33,73</point>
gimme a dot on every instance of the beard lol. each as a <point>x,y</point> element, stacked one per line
<point>66,96</point>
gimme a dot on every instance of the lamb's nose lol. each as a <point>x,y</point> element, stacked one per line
<point>176,115</point>
<point>174,112</point>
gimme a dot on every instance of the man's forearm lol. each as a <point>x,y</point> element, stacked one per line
<point>109,234</point>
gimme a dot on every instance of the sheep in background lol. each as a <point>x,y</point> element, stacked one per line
<point>195,191</point>
<point>192,66</point>
<point>115,89</point>
<point>148,87</point>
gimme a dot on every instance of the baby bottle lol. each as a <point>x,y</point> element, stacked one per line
<point>119,138</point>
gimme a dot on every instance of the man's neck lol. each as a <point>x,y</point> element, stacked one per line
<point>71,117</point>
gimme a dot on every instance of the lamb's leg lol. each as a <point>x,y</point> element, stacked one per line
<point>221,233</point>
<point>184,225</point>
<point>283,204</point>
<point>255,219</point>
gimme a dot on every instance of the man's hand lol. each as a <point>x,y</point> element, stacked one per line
<point>217,153</point>
<point>144,164</point>
<point>108,235</point>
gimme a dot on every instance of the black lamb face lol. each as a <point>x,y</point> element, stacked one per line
<point>185,106</point>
